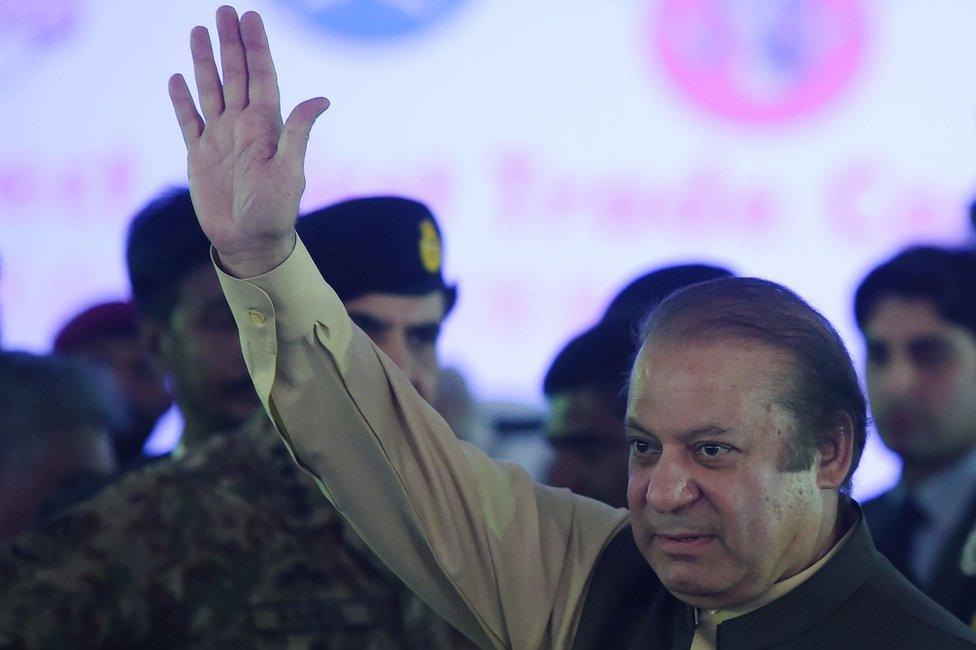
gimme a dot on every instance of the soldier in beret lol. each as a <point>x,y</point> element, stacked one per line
<point>382,256</point>
<point>228,543</point>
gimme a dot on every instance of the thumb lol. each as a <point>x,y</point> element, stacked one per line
<point>298,126</point>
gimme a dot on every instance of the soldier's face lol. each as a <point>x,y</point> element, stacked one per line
<point>201,351</point>
<point>921,376</point>
<point>586,433</point>
<point>407,329</point>
<point>714,511</point>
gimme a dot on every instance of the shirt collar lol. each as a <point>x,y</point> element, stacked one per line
<point>937,494</point>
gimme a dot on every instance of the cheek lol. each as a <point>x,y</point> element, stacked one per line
<point>790,503</point>
<point>426,373</point>
<point>221,349</point>
<point>636,490</point>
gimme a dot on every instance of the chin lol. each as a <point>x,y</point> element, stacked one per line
<point>697,585</point>
<point>706,593</point>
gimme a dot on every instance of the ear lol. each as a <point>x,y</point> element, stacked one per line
<point>151,335</point>
<point>836,451</point>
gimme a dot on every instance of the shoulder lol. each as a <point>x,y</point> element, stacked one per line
<point>128,520</point>
<point>902,613</point>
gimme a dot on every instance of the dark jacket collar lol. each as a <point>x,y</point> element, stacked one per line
<point>812,602</point>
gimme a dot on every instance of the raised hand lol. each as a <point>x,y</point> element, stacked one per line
<point>246,167</point>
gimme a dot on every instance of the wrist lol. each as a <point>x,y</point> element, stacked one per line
<point>252,262</point>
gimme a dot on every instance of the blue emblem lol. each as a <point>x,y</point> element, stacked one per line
<point>374,20</point>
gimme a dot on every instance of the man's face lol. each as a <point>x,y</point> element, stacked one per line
<point>713,513</point>
<point>142,384</point>
<point>587,434</point>
<point>406,328</point>
<point>201,351</point>
<point>921,375</point>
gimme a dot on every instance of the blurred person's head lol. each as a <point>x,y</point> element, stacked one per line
<point>383,257</point>
<point>186,323</point>
<point>107,335</point>
<point>586,404</point>
<point>917,312</point>
<point>585,387</point>
<point>56,415</point>
<point>645,292</point>
<point>746,421</point>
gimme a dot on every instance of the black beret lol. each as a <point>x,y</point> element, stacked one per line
<point>633,302</point>
<point>384,244</point>
<point>601,357</point>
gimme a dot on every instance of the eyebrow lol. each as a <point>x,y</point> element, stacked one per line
<point>367,322</point>
<point>709,430</point>
<point>922,339</point>
<point>432,328</point>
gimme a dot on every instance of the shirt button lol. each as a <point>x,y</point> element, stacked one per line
<point>255,316</point>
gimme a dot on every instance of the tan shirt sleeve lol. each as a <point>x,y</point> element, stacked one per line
<point>505,560</point>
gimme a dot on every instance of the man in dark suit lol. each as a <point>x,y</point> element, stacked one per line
<point>917,312</point>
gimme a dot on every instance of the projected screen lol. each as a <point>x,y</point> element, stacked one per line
<point>566,147</point>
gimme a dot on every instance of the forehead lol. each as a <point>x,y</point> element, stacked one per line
<point>398,309</point>
<point>583,408</point>
<point>688,385</point>
<point>905,318</point>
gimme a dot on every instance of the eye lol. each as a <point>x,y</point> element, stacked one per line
<point>930,353</point>
<point>640,446</point>
<point>712,450</point>
<point>877,353</point>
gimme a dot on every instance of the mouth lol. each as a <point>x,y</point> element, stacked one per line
<point>683,542</point>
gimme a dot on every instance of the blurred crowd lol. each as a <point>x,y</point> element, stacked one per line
<point>220,541</point>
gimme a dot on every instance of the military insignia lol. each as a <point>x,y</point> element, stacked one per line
<point>430,247</point>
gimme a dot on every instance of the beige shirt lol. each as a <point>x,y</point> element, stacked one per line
<point>506,560</point>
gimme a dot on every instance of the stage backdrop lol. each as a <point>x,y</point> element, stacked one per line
<point>566,146</point>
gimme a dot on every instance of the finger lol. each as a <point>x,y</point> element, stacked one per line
<point>205,71</point>
<point>232,62</point>
<point>262,81</point>
<point>191,124</point>
<point>298,127</point>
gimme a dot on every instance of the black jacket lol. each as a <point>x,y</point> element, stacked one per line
<point>950,587</point>
<point>856,601</point>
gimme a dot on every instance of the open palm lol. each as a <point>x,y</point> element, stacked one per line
<point>246,166</point>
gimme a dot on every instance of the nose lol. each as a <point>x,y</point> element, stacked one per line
<point>395,347</point>
<point>670,486</point>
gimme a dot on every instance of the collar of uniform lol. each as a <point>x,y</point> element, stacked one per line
<point>819,595</point>
<point>711,619</point>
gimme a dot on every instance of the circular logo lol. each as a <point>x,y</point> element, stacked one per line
<point>760,61</point>
<point>430,247</point>
<point>373,20</point>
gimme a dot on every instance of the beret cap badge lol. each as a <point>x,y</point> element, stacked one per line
<point>430,247</point>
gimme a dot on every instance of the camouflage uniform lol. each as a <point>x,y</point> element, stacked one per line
<point>230,545</point>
